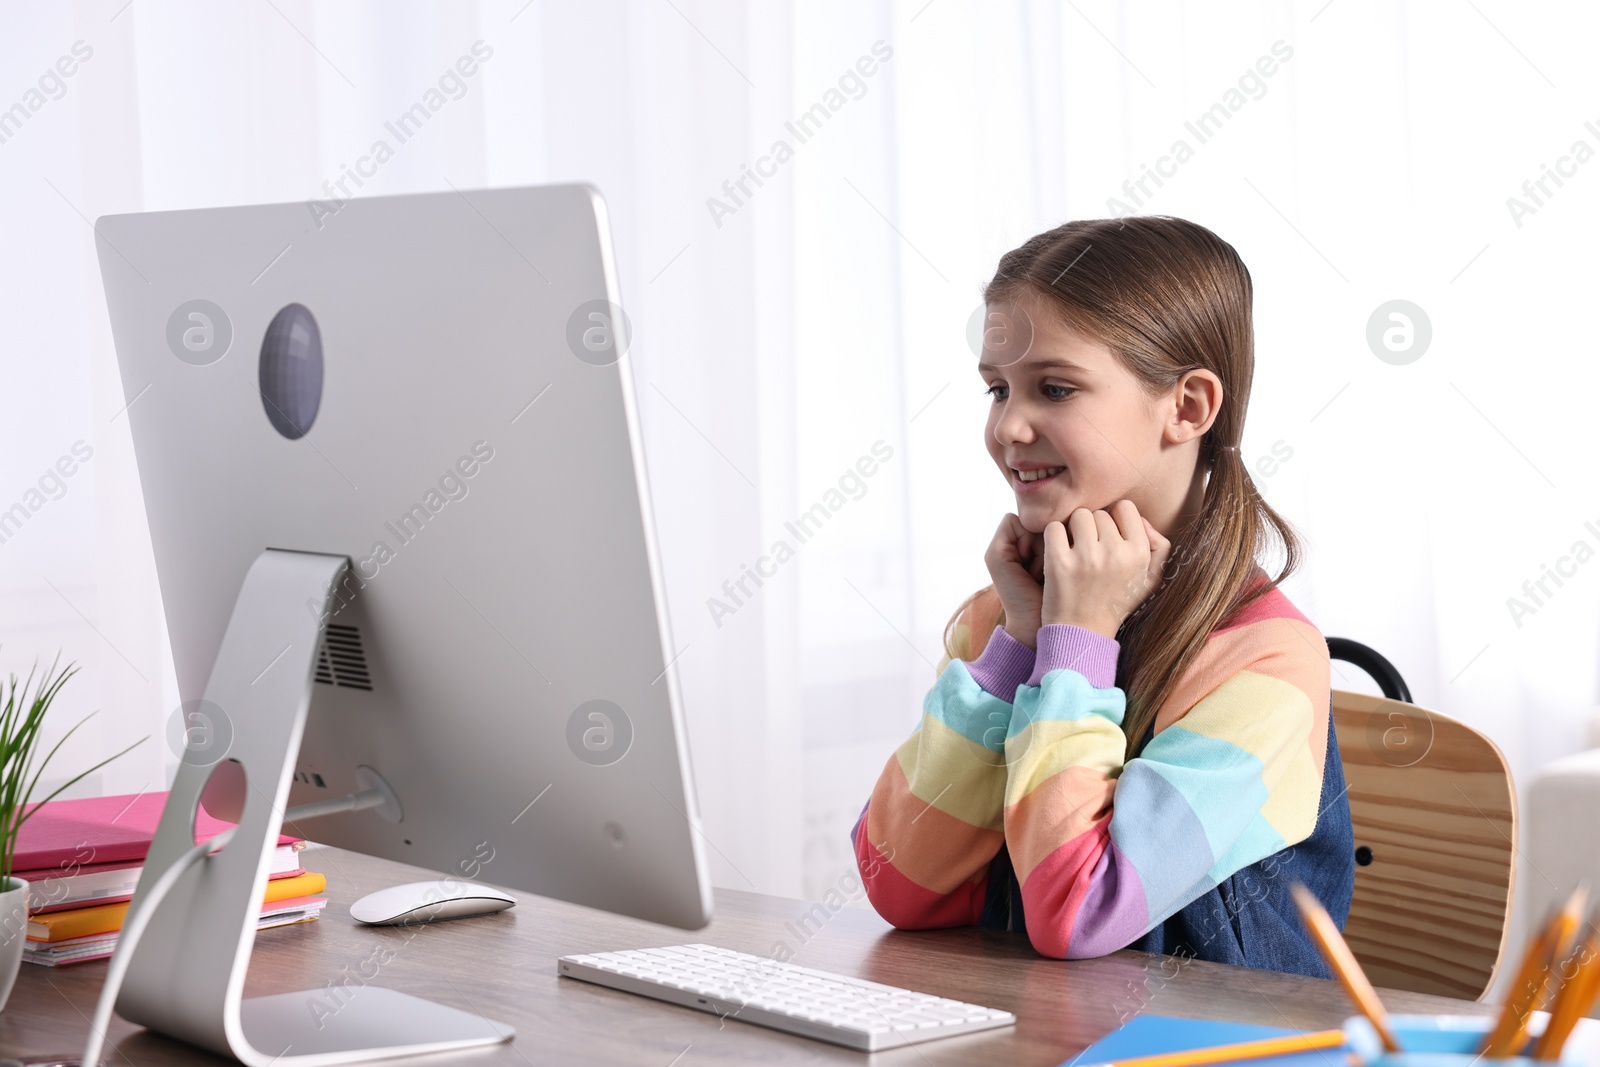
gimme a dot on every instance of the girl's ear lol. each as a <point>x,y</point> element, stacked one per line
<point>1197,400</point>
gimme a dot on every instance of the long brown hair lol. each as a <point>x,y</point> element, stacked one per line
<point>1166,296</point>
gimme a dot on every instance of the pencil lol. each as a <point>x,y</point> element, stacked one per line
<point>1553,941</point>
<point>1241,1050</point>
<point>1575,996</point>
<point>1343,963</point>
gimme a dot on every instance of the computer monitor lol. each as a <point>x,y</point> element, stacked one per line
<point>410,419</point>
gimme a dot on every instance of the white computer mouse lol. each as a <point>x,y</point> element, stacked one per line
<point>426,902</point>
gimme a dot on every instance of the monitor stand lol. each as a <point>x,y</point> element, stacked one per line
<point>185,978</point>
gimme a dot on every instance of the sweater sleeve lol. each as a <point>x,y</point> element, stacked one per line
<point>925,838</point>
<point>1106,849</point>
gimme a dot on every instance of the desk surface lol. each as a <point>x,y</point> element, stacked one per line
<point>504,966</point>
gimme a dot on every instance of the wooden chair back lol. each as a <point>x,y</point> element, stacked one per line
<point>1435,820</point>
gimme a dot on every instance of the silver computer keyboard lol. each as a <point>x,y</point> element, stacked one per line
<point>819,1004</point>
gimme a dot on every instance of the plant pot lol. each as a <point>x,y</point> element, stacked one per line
<point>13,933</point>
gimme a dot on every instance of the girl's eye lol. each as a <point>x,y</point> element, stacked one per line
<point>1058,392</point>
<point>998,392</point>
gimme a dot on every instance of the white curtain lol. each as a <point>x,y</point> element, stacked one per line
<point>1355,153</point>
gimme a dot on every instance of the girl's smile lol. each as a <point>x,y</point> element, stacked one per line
<point>1033,477</point>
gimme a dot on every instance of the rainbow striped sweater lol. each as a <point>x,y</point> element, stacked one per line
<point>1023,753</point>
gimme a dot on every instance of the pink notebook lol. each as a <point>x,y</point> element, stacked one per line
<point>100,830</point>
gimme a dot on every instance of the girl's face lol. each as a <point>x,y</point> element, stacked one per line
<point>1070,427</point>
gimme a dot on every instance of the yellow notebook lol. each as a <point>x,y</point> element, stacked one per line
<point>106,918</point>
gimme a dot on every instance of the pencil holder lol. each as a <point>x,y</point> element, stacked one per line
<point>1438,1041</point>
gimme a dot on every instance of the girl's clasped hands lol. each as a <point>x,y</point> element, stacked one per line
<point>1091,571</point>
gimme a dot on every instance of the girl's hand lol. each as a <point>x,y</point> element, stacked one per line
<point>1114,560</point>
<point>1015,559</point>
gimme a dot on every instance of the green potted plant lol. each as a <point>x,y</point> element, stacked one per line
<point>21,717</point>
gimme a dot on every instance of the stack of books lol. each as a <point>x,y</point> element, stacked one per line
<point>82,860</point>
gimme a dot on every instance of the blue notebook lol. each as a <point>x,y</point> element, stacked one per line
<point>1147,1035</point>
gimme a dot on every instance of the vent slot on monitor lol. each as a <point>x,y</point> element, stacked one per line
<point>341,661</point>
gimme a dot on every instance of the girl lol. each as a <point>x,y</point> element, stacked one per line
<point>1130,741</point>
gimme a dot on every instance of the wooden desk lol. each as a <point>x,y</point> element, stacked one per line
<point>504,966</point>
